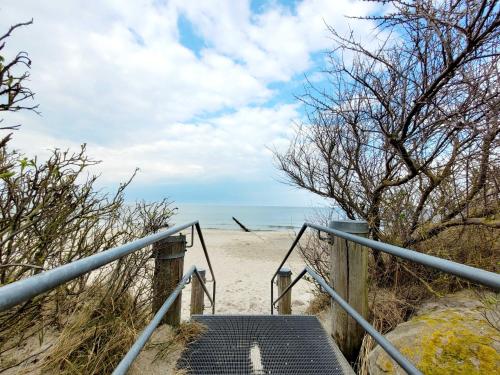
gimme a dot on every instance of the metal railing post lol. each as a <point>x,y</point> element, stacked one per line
<point>349,277</point>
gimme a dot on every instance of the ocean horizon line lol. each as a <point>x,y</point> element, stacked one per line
<point>253,217</point>
<point>252,205</point>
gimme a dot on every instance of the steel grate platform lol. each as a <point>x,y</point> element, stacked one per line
<point>271,344</point>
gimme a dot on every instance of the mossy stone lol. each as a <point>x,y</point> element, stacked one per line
<point>451,340</point>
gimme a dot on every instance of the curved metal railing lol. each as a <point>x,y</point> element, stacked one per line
<point>476,275</point>
<point>20,291</point>
<point>136,348</point>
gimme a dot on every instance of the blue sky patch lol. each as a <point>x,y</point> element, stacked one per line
<point>188,36</point>
<point>260,6</point>
<point>137,37</point>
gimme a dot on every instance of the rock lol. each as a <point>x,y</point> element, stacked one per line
<point>447,336</point>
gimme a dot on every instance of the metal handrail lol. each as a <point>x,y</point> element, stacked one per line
<point>489,279</point>
<point>379,338</point>
<point>136,348</point>
<point>207,258</point>
<point>477,275</point>
<point>295,242</point>
<point>20,291</point>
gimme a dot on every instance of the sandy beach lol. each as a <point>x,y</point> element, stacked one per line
<point>244,263</point>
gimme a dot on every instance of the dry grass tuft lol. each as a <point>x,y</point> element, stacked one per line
<point>366,347</point>
<point>388,309</point>
<point>96,337</point>
<point>319,303</point>
<point>475,246</point>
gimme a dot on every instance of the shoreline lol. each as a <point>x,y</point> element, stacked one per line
<point>236,228</point>
<point>275,228</point>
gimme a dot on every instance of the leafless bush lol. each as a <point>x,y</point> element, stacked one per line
<point>406,136</point>
<point>53,213</point>
<point>13,75</point>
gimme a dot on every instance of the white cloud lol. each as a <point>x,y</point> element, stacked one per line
<point>156,104</point>
<point>93,66</point>
<point>229,145</point>
<point>276,44</point>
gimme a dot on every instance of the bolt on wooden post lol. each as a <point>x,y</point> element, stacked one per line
<point>283,281</point>
<point>197,294</point>
<point>169,268</point>
<point>349,278</point>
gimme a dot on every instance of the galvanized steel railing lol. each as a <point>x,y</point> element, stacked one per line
<point>476,275</point>
<point>22,290</point>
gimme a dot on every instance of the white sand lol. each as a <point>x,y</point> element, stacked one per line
<point>243,264</point>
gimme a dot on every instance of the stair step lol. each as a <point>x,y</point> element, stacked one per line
<point>263,344</point>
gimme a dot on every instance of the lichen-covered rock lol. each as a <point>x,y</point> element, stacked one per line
<point>448,336</point>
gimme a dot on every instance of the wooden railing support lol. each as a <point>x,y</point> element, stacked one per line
<point>284,279</point>
<point>197,294</point>
<point>349,278</point>
<point>169,268</point>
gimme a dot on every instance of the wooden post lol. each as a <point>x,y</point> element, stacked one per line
<point>197,294</point>
<point>349,277</point>
<point>169,267</point>
<point>284,280</point>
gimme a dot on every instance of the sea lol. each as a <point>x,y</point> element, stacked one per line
<point>252,217</point>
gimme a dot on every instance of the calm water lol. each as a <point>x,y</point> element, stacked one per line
<point>253,217</point>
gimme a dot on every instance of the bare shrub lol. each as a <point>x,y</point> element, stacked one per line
<point>406,136</point>
<point>51,220</point>
<point>14,73</point>
<point>53,213</point>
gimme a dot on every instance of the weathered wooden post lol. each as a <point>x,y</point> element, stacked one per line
<point>197,294</point>
<point>284,280</point>
<point>169,267</point>
<point>349,277</point>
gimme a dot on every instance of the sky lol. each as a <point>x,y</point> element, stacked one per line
<point>193,93</point>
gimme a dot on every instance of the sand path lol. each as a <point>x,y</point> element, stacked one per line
<point>244,264</point>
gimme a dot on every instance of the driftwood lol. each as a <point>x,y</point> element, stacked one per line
<point>241,225</point>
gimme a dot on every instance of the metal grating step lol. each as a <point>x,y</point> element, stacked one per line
<point>271,344</point>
